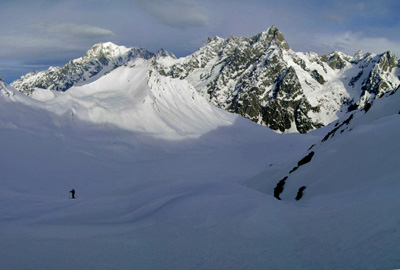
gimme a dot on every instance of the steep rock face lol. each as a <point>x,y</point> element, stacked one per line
<point>99,60</point>
<point>373,74</point>
<point>336,60</point>
<point>164,54</point>
<point>262,79</point>
<point>250,77</point>
<point>379,79</point>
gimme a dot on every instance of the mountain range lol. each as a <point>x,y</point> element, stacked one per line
<point>259,78</point>
<point>166,180</point>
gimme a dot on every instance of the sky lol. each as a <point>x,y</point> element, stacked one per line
<point>35,35</point>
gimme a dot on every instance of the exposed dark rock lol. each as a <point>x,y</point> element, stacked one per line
<point>333,131</point>
<point>306,159</point>
<point>334,60</point>
<point>356,78</point>
<point>352,107</point>
<point>347,121</point>
<point>318,77</point>
<point>248,68</point>
<point>300,193</point>
<point>367,107</point>
<point>376,83</point>
<point>279,188</point>
<point>388,61</point>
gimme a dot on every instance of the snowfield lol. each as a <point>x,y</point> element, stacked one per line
<point>164,180</point>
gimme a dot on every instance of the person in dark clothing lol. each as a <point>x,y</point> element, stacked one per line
<point>73,193</point>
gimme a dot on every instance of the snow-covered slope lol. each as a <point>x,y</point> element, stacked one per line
<point>164,180</point>
<point>357,154</point>
<point>142,198</point>
<point>98,61</point>
<point>136,98</point>
<point>156,190</point>
<point>347,187</point>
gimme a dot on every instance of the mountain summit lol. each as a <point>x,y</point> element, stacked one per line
<point>99,60</point>
<point>260,78</point>
<point>273,37</point>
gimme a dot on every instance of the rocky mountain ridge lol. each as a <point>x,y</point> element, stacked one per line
<point>260,78</point>
<point>98,61</point>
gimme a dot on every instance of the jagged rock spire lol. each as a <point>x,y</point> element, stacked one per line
<point>272,36</point>
<point>388,61</point>
<point>164,53</point>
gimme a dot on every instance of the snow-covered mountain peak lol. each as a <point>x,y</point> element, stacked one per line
<point>108,49</point>
<point>136,98</point>
<point>164,54</point>
<point>359,54</point>
<point>388,61</point>
<point>262,79</point>
<point>272,36</point>
<point>336,60</point>
<point>257,77</point>
<point>99,60</point>
<point>214,39</point>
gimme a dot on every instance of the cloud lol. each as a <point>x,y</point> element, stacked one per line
<point>79,31</point>
<point>175,13</point>
<point>48,40</point>
<point>32,44</point>
<point>331,17</point>
<point>350,42</point>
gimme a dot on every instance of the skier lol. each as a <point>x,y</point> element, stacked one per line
<point>72,193</point>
